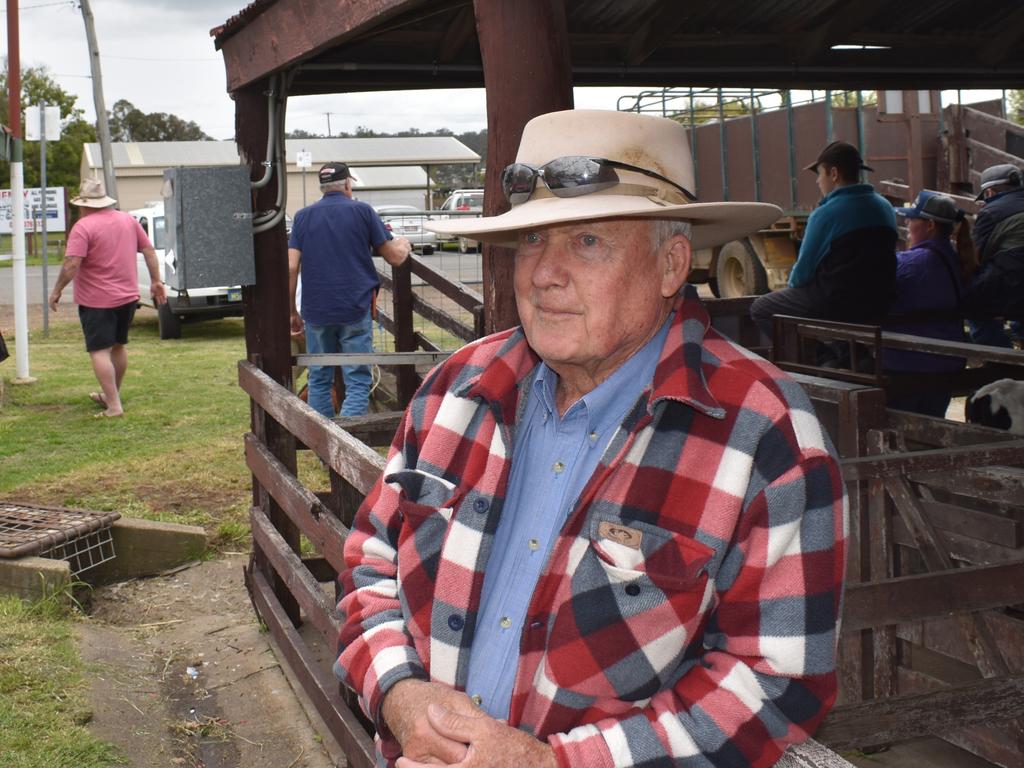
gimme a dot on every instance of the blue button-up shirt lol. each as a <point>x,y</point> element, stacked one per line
<point>553,457</point>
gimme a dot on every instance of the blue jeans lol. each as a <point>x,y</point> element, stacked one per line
<point>340,337</point>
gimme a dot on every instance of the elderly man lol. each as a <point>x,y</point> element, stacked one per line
<point>331,243</point>
<point>998,288</point>
<point>610,537</point>
<point>100,258</point>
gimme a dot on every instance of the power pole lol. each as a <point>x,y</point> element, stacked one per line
<point>102,124</point>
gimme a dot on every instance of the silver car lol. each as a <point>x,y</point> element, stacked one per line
<point>407,221</point>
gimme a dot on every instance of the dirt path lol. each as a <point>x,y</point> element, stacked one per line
<point>183,677</point>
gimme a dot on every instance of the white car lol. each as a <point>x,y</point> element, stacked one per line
<point>407,221</point>
<point>464,202</point>
<point>197,303</point>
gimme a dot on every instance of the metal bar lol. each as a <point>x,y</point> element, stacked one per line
<point>828,116</point>
<point>372,358</point>
<point>860,123</point>
<point>788,96</point>
<point>755,138</point>
<point>723,148</point>
<point>693,146</point>
<point>343,724</point>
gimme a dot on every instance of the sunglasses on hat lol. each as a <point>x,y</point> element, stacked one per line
<point>571,176</point>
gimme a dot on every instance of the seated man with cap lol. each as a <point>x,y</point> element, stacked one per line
<point>846,267</point>
<point>998,288</point>
<point>610,536</point>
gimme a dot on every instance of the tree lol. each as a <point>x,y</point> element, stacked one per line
<point>63,158</point>
<point>129,123</point>
<point>1016,106</point>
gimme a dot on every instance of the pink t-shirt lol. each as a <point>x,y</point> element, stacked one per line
<point>107,242</point>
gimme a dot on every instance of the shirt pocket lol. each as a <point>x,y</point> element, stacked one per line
<point>425,507</point>
<point>637,601</point>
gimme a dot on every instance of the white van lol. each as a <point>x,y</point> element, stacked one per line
<point>197,303</point>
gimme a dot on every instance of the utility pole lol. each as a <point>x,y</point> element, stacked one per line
<point>102,124</point>
<point>18,273</point>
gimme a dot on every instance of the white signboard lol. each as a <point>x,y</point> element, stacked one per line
<point>32,128</point>
<point>55,209</point>
<point>303,159</point>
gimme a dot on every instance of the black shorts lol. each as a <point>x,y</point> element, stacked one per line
<point>103,328</point>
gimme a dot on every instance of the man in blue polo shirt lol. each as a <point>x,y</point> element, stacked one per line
<point>846,267</point>
<point>332,242</point>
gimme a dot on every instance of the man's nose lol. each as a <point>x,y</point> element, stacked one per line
<point>549,267</point>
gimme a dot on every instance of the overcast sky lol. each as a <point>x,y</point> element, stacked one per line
<point>158,54</point>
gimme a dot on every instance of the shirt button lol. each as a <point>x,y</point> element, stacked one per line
<point>456,622</point>
<point>632,590</point>
<point>480,505</point>
<point>477,699</point>
<point>593,437</point>
<point>505,622</point>
<point>533,544</point>
<point>558,467</point>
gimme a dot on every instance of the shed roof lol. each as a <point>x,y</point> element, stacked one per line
<point>399,151</point>
<point>331,46</point>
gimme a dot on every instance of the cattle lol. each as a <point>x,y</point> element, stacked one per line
<point>999,404</point>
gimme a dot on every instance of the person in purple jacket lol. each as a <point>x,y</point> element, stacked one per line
<point>931,278</point>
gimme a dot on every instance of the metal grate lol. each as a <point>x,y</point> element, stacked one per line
<point>81,537</point>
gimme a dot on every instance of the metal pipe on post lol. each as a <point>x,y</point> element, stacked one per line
<point>42,224</point>
<point>102,123</point>
<point>18,275</point>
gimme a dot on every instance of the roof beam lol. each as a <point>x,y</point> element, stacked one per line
<point>847,19</point>
<point>456,36</point>
<point>287,33</point>
<point>1009,38</point>
<point>666,19</point>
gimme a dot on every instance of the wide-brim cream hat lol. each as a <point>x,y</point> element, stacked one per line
<point>92,194</point>
<point>653,143</point>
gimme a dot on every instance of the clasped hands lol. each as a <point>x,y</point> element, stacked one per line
<point>437,725</point>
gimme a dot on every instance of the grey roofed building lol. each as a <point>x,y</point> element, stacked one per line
<point>387,171</point>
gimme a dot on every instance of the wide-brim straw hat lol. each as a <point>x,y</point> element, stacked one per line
<point>92,194</point>
<point>653,143</point>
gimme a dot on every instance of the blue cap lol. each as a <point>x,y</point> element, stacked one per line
<point>934,206</point>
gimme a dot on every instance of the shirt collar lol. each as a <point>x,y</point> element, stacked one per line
<point>679,374</point>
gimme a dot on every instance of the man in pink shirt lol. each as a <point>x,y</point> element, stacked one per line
<point>100,258</point>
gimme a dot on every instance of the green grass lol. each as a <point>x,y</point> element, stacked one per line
<point>33,251</point>
<point>42,687</point>
<point>175,456</point>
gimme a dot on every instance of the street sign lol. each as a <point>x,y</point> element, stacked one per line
<point>303,159</point>
<point>32,131</point>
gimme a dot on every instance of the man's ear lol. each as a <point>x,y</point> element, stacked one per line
<point>675,259</point>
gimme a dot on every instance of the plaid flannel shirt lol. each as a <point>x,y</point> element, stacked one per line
<point>688,614</point>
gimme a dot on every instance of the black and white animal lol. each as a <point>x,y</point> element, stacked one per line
<point>999,404</point>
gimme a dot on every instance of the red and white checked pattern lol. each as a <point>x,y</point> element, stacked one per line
<point>711,643</point>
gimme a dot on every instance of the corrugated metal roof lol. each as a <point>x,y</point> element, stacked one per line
<point>415,151</point>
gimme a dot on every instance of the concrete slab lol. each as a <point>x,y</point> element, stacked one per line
<point>33,578</point>
<point>147,548</point>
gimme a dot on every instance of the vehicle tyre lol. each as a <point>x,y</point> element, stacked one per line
<point>170,323</point>
<point>738,271</point>
<point>466,245</point>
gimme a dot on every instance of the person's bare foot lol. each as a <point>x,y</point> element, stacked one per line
<point>108,414</point>
<point>97,397</point>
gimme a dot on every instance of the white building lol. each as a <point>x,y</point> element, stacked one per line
<point>386,171</point>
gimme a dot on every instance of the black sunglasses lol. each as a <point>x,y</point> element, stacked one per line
<point>571,176</point>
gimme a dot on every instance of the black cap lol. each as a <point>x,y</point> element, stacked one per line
<point>1003,175</point>
<point>334,172</point>
<point>841,155</point>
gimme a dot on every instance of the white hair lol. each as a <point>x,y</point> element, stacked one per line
<point>334,186</point>
<point>663,230</point>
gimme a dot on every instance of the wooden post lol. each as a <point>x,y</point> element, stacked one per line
<point>527,72</point>
<point>405,335</point>
<point>267,312</point>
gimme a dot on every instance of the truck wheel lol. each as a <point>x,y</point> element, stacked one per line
<point>170,323</point>
<point>738,271</point>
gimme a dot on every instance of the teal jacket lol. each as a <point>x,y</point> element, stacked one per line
<point>840,212</point>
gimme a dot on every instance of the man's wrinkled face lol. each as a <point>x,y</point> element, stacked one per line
<point>590,294</point>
